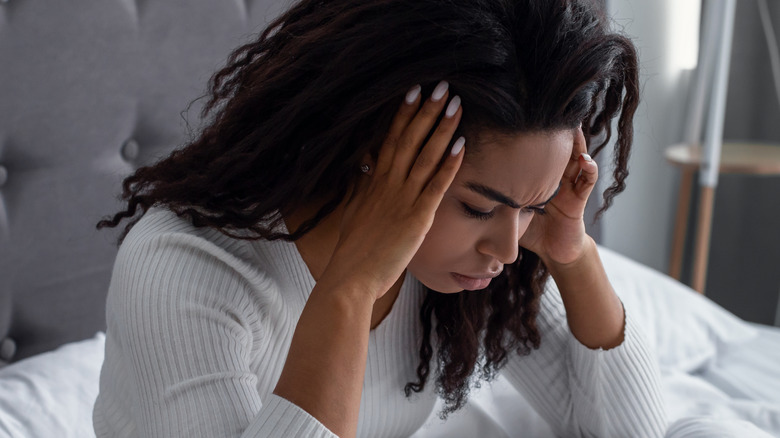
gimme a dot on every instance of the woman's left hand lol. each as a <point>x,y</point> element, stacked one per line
<point>559,235</point>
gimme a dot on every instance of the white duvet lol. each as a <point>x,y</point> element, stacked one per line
<point>721,375</point>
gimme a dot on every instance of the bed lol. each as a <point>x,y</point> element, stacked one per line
<point>91,90</point>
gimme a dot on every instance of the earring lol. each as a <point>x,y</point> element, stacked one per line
<point>365,168</point>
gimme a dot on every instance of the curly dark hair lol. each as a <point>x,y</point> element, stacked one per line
<point>292,114</point>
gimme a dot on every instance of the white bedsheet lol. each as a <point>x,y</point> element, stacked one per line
<point>736,395</point>
<point>696,408</point>
<point>751,369</point>
<point>720,375</point>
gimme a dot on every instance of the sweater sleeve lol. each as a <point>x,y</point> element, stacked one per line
<point>582,392</point>
<point>187,314</point>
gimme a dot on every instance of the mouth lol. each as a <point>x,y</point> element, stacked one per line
<point>475,282</point>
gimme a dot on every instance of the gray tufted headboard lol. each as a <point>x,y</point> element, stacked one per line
<point>89,91</point>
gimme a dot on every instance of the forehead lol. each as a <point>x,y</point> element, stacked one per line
<point>525,166</point>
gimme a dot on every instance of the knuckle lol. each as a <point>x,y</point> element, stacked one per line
<point>391,139</point>
<point>423,162</point>
<point>438,186</point>
<point>406,143</point>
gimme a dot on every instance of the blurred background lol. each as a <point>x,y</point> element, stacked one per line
<point>744,256</point>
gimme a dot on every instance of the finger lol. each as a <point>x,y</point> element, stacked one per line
<point>588,176</point>
<point>573,167</point>
<point>531,235</point>
<point>401,120</point>
<point>431,197</point>
<point>431,154</point>
<point>409,144</point>
<point>580,145</point>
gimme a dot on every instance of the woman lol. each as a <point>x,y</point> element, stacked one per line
<point>380,196</point>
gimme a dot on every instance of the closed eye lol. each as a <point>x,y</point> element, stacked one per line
<point>536,210</point>
<point>476,214</point>
<point>482,215</point>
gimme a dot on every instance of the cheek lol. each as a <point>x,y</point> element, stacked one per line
<point>441,252</point>
<point>448,240</point>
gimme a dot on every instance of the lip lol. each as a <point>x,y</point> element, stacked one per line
<point>473,282</point>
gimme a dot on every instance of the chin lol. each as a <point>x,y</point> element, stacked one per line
<point>447,291</point>
<point>441,287</point>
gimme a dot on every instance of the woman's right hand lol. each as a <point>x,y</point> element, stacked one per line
<point>391,210</point>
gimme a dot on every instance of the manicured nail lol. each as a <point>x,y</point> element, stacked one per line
<point>412,94</point>
<point>586,157</point>
<point>452,108</point>
<point>458,146</point>
<point>439,91</point>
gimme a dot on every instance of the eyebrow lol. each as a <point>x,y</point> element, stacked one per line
<point>497,196</point>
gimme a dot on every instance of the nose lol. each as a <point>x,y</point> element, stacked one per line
<point>501,240</point>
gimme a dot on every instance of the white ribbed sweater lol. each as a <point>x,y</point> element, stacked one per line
<point>199,325</point>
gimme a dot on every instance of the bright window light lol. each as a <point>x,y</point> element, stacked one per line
<point>683,43</point>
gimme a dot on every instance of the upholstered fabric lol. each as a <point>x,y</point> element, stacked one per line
<point>89,91</point>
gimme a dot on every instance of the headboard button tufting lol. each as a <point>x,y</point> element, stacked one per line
<point>3,173</point>
<point>7,349</point>
<point>130,149</point>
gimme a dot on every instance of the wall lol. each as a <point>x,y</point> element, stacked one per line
<point>641,219</point>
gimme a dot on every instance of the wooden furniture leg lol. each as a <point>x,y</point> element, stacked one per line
<point>703,230</point>
<point>681,223</point>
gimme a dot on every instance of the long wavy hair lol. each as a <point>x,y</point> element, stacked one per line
<point>293,112</point>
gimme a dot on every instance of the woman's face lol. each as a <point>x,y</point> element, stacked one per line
<point>488,207</point>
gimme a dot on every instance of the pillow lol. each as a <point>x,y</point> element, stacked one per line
<point>685,328</point>
<point>52,394</point>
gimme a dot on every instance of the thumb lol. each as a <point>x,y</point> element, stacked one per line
<point>530,238</point>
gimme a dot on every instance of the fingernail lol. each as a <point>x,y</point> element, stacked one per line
<point>412,94</point>
<point>457,146</point>
<point>452,108</point>
<point>586,157</point>
<point>439,91</point>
